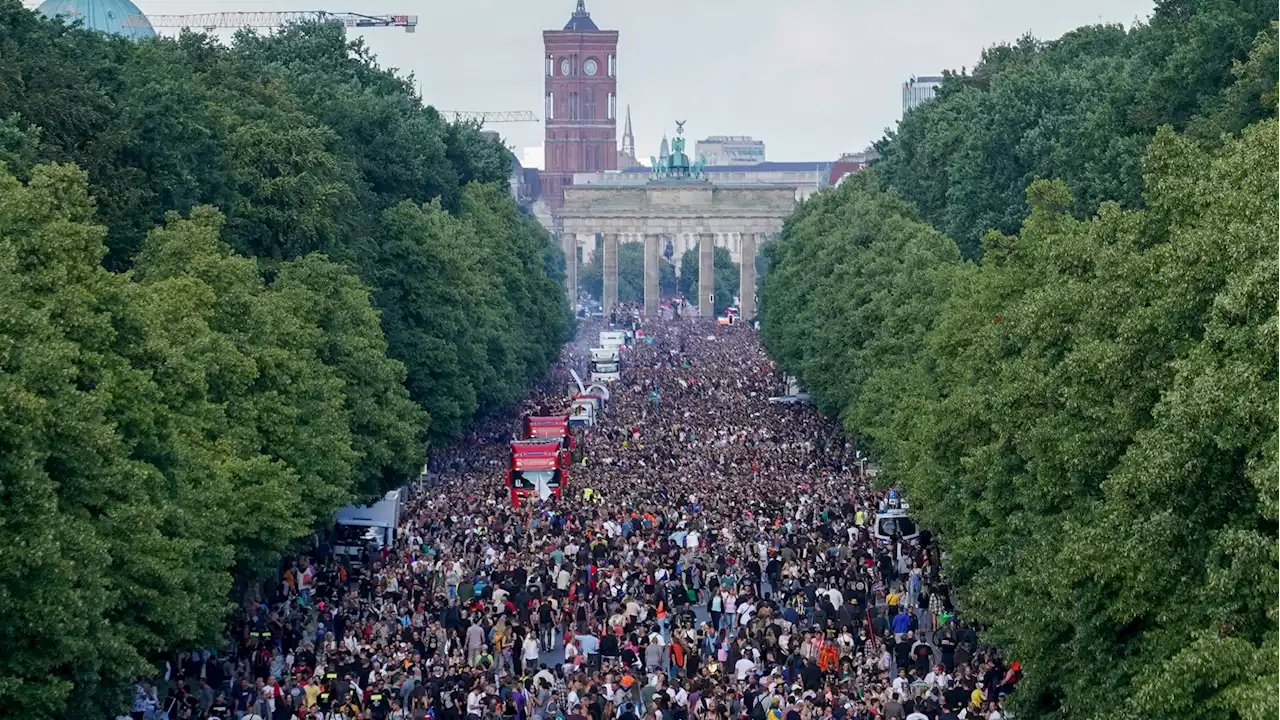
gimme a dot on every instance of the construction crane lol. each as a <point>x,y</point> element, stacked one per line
<point>214,21</point>
<point>503,116</point>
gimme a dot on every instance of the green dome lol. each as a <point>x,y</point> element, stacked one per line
<point>118,17</point>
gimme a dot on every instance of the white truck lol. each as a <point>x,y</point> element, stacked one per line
<point>606,364</point>
<point>613,339</point>
<point>584,411</point>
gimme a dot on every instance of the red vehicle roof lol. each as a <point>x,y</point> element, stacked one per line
<point>535,462</point>
<point>535,454</point>
<point>535,445</point>
<point>550,431</point>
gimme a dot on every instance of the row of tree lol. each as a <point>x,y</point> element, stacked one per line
<point>1081,108</point>
<point>242,286</point>
<point>1083,401</point>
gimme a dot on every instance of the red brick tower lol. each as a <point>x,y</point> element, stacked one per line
<point>581,102</point>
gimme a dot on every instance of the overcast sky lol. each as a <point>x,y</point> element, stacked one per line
<point>812,78</point>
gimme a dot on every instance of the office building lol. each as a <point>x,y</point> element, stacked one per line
<point>919,90</point>
<point>722,150</point>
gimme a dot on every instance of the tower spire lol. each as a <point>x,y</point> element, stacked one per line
<point>628,139</point>
<point>580,20</point>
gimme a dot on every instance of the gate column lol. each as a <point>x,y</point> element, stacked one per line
<point>706,274</point>
<point>652,270</point>
<point>747,276</point>
<point>610,268</point>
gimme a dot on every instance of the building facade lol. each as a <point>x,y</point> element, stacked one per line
<point>581,103</point>
<point>919,90</point>
<point>671,216</point>
<point>806,177</point>
<point>719,150</point>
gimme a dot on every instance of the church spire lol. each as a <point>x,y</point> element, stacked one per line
<point>628,139</point>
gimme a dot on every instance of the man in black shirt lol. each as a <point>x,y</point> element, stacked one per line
<point>546,626</point>
<point>220,709</point>
<point>956,697</point>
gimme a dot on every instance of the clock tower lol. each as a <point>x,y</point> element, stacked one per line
<point>581,102</point>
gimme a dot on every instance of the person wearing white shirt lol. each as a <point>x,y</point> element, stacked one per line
<point>531,650</point>
<point>678,695</point>
<point>938,678</point>
<point>917,715</point>
<point>743,667</point>
<point>570,652</point>
<point>475,702</point>
<point>901,685</point>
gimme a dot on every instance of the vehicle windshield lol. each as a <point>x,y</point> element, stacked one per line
<point>350,535</point>
<point>528,479</point>
<point>892,526</point>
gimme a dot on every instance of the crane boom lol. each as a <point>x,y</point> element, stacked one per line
<point>210,21</point>
<point>492,117</point>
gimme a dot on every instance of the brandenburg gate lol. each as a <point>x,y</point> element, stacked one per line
<point>679,206</point>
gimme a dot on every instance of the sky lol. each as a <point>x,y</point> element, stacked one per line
<point>811,78</point>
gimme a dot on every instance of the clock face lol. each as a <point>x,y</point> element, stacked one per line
<point>589,67</point>
<point>564,66</point>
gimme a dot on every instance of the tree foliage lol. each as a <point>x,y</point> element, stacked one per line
<point>1081,108</point>
<point>1088,417</point>
<point>630,274</point>
<point>243,286</point>
<point>1050,313</point>
<point>726,278</point>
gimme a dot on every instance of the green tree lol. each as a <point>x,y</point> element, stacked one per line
<point>109,555</point>
<point>427,281</point>
<point>726,277</point>
<point>1087,417</point>
<point>192,419</point>
<point>630,274</point>
<point>387,428</point>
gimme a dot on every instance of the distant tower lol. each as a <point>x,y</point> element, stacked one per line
<point>581,110</point>
<point>628,139</point>
<point>663,151</point>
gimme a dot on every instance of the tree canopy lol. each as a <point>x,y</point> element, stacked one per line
<point>726,278</point>
<point>1081,108</point>
<point>245,285</point>
<point>630,274</point>
<point>1060,338</point>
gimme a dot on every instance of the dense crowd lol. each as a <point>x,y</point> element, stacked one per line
<point>711,557</point>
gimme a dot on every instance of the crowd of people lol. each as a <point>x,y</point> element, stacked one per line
<point>711,556</point>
